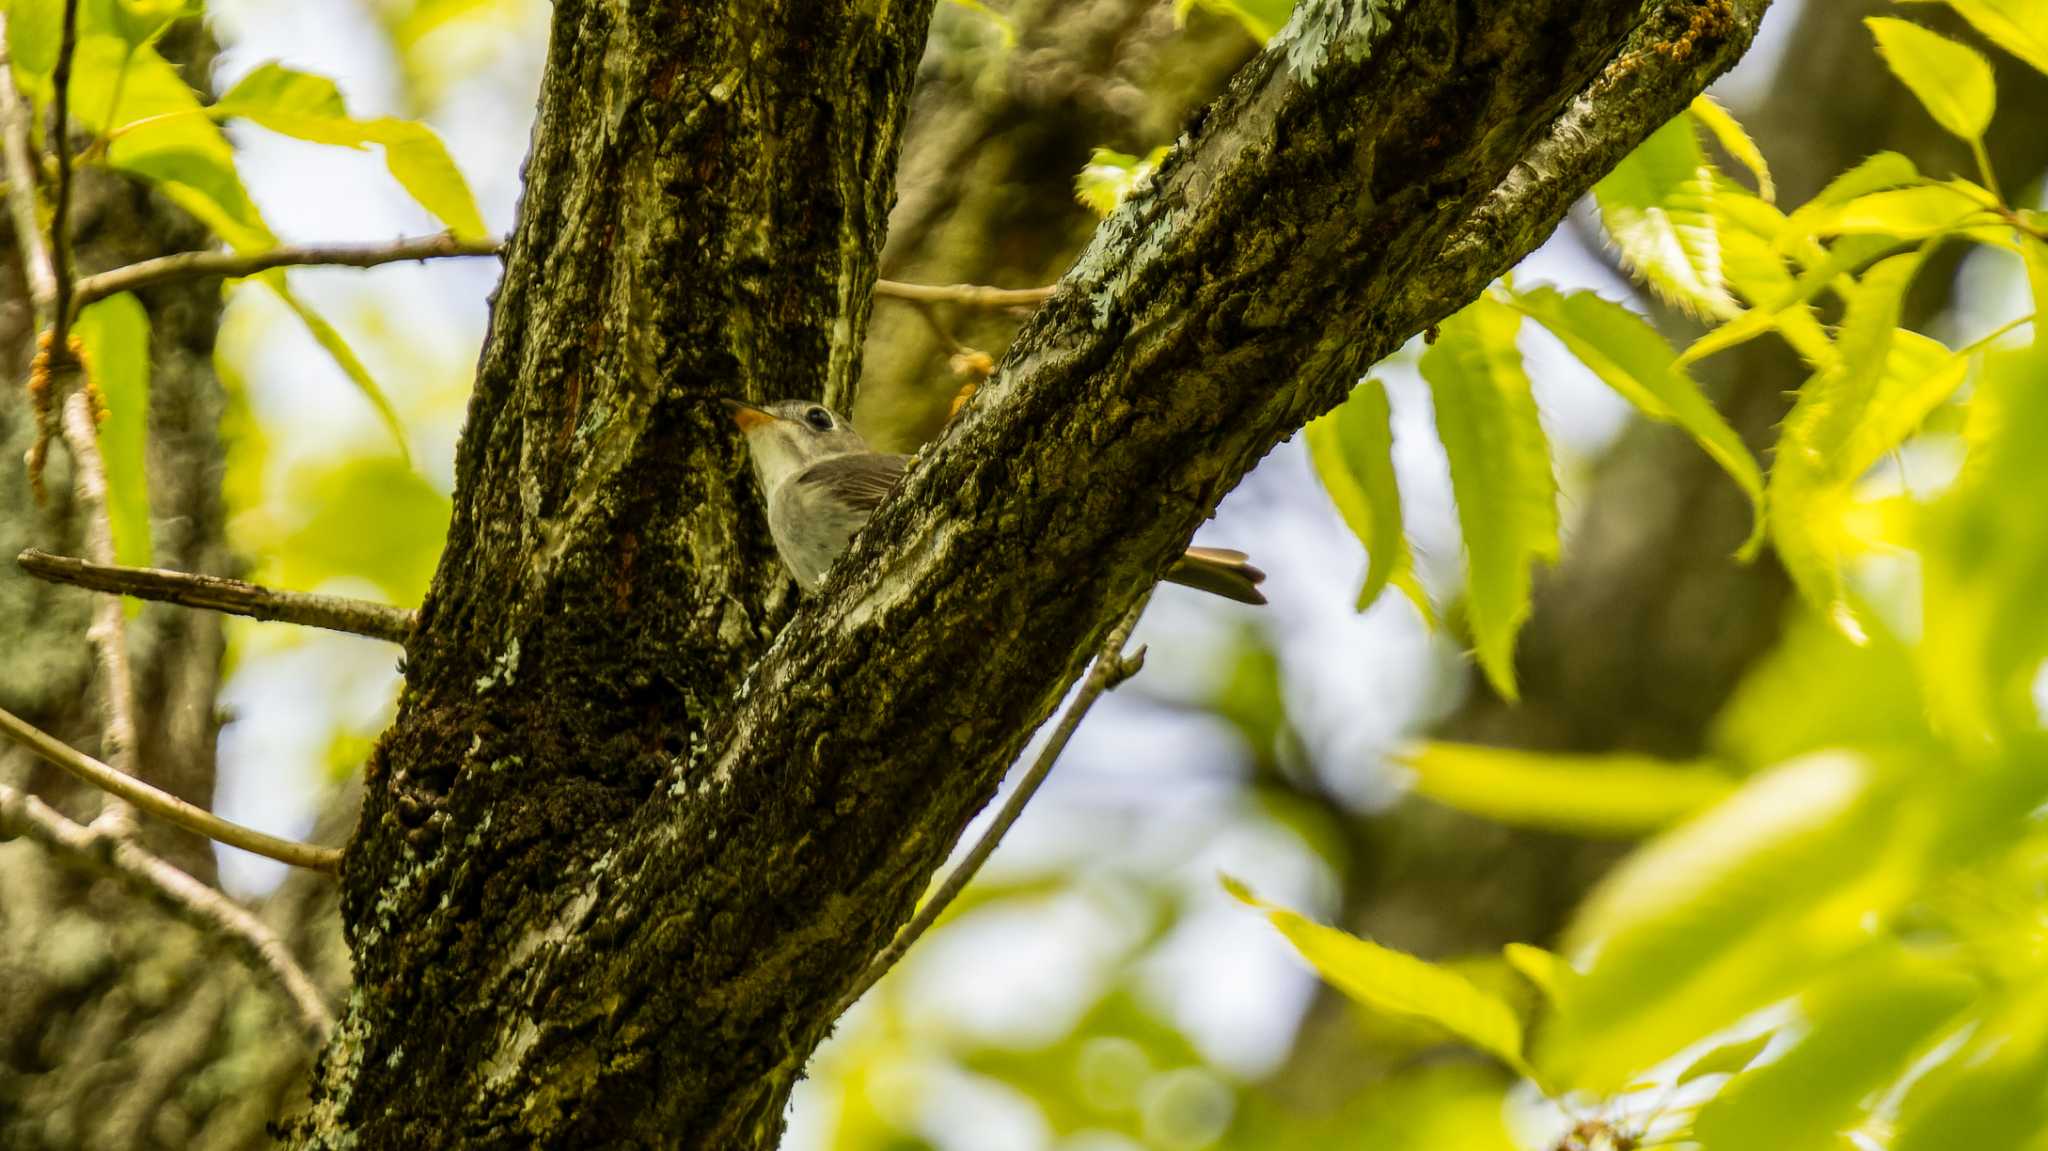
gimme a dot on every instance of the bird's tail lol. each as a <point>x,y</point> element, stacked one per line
<point>1219,571</point>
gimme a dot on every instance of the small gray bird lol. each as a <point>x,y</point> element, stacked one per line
<point>822,481</point>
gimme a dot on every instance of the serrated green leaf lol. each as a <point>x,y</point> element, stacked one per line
<point>1658,209</point>
<point>1865,1026</point>
<point>1110,176</point>
<point>336,346</point>
<point>1757,270</point>
<point>1952,81</point>
<point>1398,983</point>
<point>310,107</point>
<point>1500,473</point>
<point>1987,1094</point>
<point>1728,132</point>
<point>1624,795</point>
<point>1905,213</point>
<point>1875,173</point>
<point>1845,420</point>
<point>115,333</point>
<point>1730,912</point>
<point>1984,559</point>
<point>1352,449</point>
<point>1725,1059</point>
<point>2018,26</point>
<point>1632,358</point>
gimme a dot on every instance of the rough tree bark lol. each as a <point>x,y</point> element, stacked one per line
<point>626,843</point>
<point>120,1027</point>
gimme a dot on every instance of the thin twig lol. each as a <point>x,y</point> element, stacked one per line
<point>1111,668</point>
<point>21,187</point>
<point>60,206</point>
<point>964,295</point>
<point>194,265</point>
<point>163,803</point>
<point>108,632</point>
<point>212,913</point>
<point>217,593</point>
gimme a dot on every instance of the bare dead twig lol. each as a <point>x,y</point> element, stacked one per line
<point>213,913</point>
<point>60,204</point>
<point>217,593</point>
<point>21,186</point>
<point>194,265</point>
<point>964,295</point>
<point>1111,668</point>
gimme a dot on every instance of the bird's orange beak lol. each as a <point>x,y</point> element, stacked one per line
<point>748,416</point>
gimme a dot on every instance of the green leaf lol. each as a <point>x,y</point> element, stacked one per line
<point>360,518</point>
<point>1500,473</point>
<point>1984,556</point>
<point>1547,970</point>
<point>34,30</point>
<point>1988,1094</point>
<point>115,332</point>
<point>1730,912</point>
<point>1398,983</point>
<point>1629,356</point>
<point>309,107</point>
<point>1261,19</point>
<point>336,346</point>
<point>1353,452</point>
<point>2018,26</point>
<point>1952,81</point>
<point>1658,209</point>
<point>1111,175</point>
<point>1906,213</point>
<point>1725,1059</point>
<point>1865,1026</point>
<point>1846,419</point>
<point>1728,132</point>
<point>1626,795</point>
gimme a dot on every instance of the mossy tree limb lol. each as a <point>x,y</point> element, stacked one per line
<point>627,843</point>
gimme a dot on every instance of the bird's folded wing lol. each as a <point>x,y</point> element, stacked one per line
<point>858,481</point>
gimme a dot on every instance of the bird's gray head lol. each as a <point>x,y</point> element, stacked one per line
<point>787,436</point>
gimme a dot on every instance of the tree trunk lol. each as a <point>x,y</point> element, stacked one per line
<point>626,845</point>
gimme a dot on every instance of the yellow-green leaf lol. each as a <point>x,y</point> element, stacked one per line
<point>1625,795</point>
<point>1906,213</point>
<point>115,333</point>
<point>1728,132</point>
<point>1657,206</point>
<point>336,346</point>
<point>1875,173</point>
<point>1111,175</point>
<point>2018,26</point>
<point>1353,452</point>
<point>1500,473</point>
<point>1629,356</point>
<point>1845,420</point>
<point>1952,81</point>
<point>310,107</point>
<point>1865,1027</point>
<point>1725,1059</point>
<point>1398,983</point>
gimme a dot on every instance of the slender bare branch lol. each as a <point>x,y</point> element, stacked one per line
<point>108,632</point>
<point>193,265</point>
<point>163,803</point>
<point>208,910</point>
<point>965,295</point>
<point>217,593</point>
<point>21,186</point>
<point>1111,668</point>
<point>60,209</point>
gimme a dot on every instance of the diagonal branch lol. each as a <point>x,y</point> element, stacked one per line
<point>1112,667</point>
<point>218,593</point>
<point>189,816</point>
<point>214,914</point>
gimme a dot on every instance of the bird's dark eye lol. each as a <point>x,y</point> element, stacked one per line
<point>819,418</point>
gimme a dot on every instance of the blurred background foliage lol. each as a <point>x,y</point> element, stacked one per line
<point>1767,847</point>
